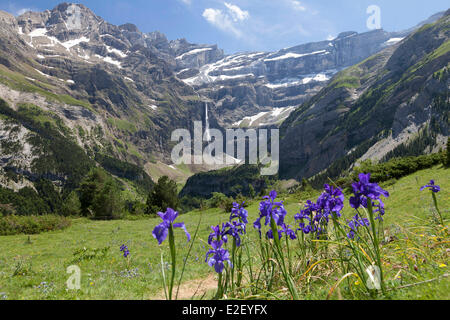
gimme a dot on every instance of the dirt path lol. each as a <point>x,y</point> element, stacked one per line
<point>194,289</point>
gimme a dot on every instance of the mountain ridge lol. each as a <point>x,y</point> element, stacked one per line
<point>115,91</point>
<point>381,98</point>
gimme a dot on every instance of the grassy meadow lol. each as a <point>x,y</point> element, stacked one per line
<point>415,255</point>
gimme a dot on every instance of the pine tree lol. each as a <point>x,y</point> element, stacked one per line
<point>100,195</point>
<point>163,195</point>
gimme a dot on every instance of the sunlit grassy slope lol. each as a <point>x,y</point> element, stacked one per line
<point>35,267</point>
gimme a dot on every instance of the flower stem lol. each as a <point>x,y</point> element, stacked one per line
<point>280,257</point>
<point>436,206</point>
<point>173,256</point>
<point>233,261</point>
<point>219,287</point>
<point>376,243</point>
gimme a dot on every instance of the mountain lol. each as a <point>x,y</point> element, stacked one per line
<point>102,89</point>
<point>77,92</point>
<point>248,84</point>
<point>394,103</point>
<point>381,107</point>
<point>260,89</point>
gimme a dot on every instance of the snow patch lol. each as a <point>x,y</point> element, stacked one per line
<point>110,61</point>
<point>272,117</point>
<point>41,73</point>
<point>320,77</point>
<point>116,51</point>
<point>250,119</point>
<point>40,32</point>
<point>71,43</point>
<point>393,41</point>
<point>257,54</point>
<point>192,52</point>
<point>85,57</point>
<point>292,55</point>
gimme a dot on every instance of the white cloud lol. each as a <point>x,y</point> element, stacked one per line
<point>297,5</point>
<point>237,13</point>
<point>227,21</point>
<point>221,21</point>
<point>188,2</point>
<point>22,11</point>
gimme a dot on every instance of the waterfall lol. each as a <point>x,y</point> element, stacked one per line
<point>207,134</point>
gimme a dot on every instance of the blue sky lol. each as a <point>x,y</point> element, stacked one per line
<point>250,25</point>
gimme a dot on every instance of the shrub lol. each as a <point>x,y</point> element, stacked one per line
<point>12,225</point>
<point>126,170</point>
<point>72,205</point>
<point>100,196</point>
<point>49,195</point>
<point>163,195</point>
<point>24,202</point>
<point>251,192</point>
<point>397,168</point>
<point>106,203</point>
<point>87,254</point>
<point>219,200</point>
<point>188,203</point>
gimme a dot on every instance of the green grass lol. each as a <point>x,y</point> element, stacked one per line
<point>42,117</point>
<point>344,81</point>
<point>46,257</point>
<point>17,81</point>
<point>122,125</point>
<point>443,49</point>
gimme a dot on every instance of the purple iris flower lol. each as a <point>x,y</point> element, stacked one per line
<point>269,234</point>
<point>269,209</point>
<point>315,215</point>
<point>235,229</point>
<point>307,229</point>
<point>332,200</point>
<point>289,232</point>
<point>125,251</point>
<point>356,223</point>
<point>379,208</point>
<point>364,190</point>
<point>434,188</point>
<point>286,229</point>
<point>219,256</point>
<point>308,212</point>
<point>218,233</point>
<point>162,230</point>
<point>238,211</point>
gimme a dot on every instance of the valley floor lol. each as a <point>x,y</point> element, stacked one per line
<point>35,267</point>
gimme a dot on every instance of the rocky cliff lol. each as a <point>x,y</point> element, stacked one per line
<point>370,109</point>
